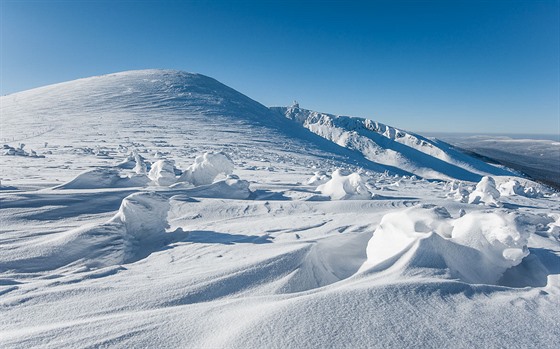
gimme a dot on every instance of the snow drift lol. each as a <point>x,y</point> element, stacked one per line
<point>137,227</point>
<point>104,178</point>
<point>476,248</point>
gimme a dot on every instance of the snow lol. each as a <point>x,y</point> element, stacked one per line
<point>206,168</point>
<point>392,147</point>
<point>510,188</point>
<point>229,244</point>
<point>318,178</point>
<point>341,187</point>
<point>162,172</point>
<point>143,214</point>
<point>476,248</point>
<point>485,192</point>
<point>103,178</point>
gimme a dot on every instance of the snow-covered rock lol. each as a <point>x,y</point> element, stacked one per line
<point>143,215</point>
<point>163,172</point>
<point>319,178</point>
<point>511,188</point>
<point>485,192</point>
<point>206,168</point>
<point>458,191</point>
<point>341,187</point>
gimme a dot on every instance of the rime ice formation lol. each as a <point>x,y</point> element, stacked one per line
<point>341,187</point>
<point>485,192</point>
<point>206,168</point>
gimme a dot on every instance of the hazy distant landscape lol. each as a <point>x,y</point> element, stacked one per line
<point>538,156</point>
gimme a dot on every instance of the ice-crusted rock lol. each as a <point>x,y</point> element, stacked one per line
<point>532,192</point>
<point>206,168</point>
<point>485,193</point>
<point>319,178</point>
<point>477,247</point>
<point>511,188</point>
<point>163,172</point>
<point>341,187</point>
<point>457,191</point>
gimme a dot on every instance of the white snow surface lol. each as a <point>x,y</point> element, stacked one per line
<point>162,172</point>
<point>476,248</point>
<point>206,168</point>
<point>341,187</point>
<point>246,253</point>
<point>485,192</point>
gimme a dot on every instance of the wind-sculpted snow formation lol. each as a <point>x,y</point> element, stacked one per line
<point>476,248</point>
<point>171,211</point>
<point>341,187</point>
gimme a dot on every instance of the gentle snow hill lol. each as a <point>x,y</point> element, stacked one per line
<point>173,107</point>
<point>95,111</point>
<point>393,147</point>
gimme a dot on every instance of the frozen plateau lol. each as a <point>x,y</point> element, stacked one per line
<point>163,209</point>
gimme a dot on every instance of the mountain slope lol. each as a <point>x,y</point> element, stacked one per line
<point>391,146</point>
<point>114,113</point>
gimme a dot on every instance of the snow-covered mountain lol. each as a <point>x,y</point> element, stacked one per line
<point>391,146</point>
<point>159,208</point>
<point>103,109</point>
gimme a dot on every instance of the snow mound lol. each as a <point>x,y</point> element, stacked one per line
<point>230,188</point>
<point>143,215</point>
<point>476,248</point>
<point>341,187</point>
<point>485,193</point>
<point>162,172</point>
<point>103,178</point>
<point>135,229</point>
<point>206,168</point>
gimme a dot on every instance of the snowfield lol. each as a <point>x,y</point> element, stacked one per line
<point>159,208</point>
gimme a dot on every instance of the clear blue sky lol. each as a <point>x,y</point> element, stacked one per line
<point>465,66</point>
